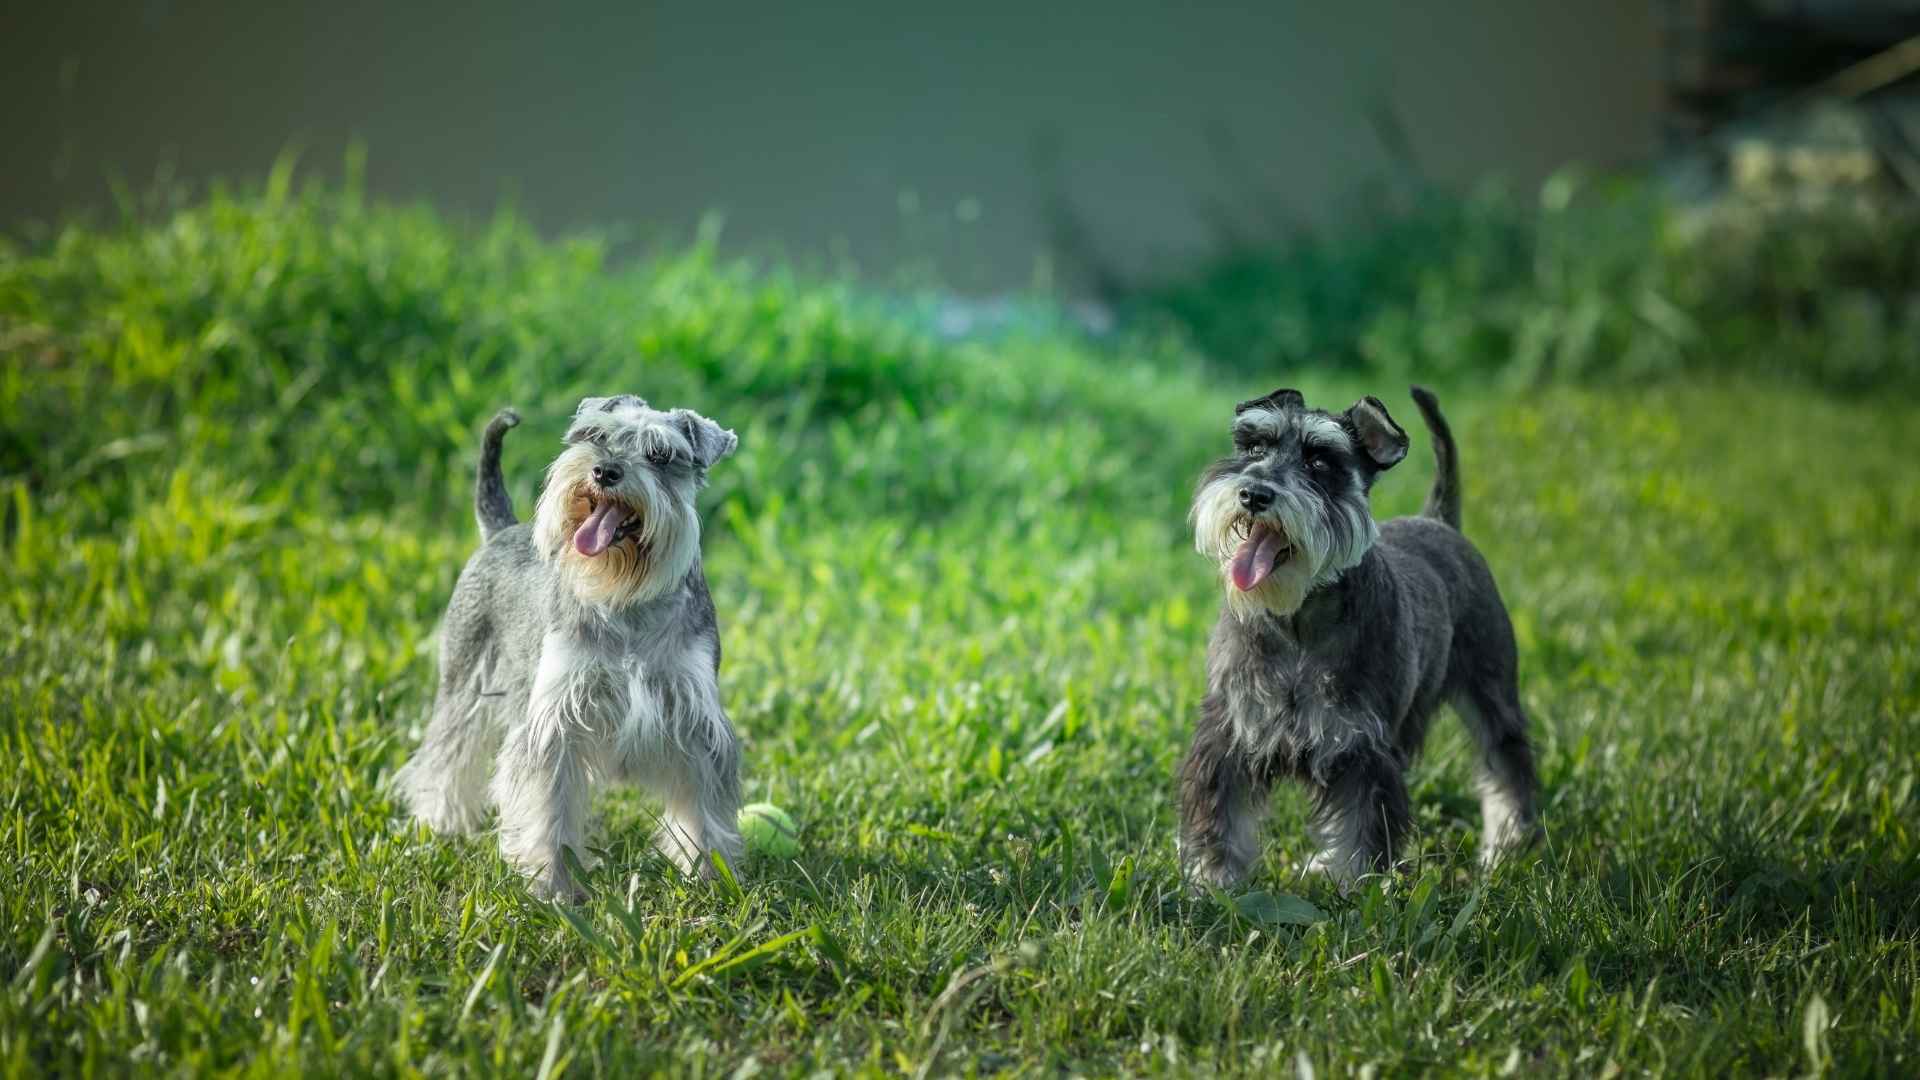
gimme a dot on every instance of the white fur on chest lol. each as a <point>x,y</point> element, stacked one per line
<point>626,704</point>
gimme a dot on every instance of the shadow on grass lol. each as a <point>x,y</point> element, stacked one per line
<point>1709,922</point>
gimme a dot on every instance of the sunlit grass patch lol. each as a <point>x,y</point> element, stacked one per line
<point>963,628</point>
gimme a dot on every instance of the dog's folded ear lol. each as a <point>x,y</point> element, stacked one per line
<point>710,441</point>
<point>1283,398</point>
<point>1383,440</point>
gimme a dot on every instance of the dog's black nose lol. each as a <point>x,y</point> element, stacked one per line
<point>1256,497</point>
<point>607,474</point>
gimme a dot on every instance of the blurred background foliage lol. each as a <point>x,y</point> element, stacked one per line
<point>295,323</point>
<point>1596,277</point>
<point>291,310</point>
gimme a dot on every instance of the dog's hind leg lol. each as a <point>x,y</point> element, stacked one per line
<point>444,784</point>
<point>1504,775</point>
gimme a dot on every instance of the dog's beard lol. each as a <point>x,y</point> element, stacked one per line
<point>1272,561</point>
<point>614,548</point>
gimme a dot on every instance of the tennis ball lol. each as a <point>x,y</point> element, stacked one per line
<point>770,830</point>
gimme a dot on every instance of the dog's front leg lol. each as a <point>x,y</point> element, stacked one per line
<point>1360,814</point>
<point>1222,802</point>
<point>701,796</point>
<point>540,780</point>
<point>541,792</point>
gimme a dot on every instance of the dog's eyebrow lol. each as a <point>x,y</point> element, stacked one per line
<point>587,432</point>
<point>1257,421</point>
<point>672,440</point>
<point>1324,433</point>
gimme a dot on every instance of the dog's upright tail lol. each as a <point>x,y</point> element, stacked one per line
<point>1443,501</point>
<point>492,506</point>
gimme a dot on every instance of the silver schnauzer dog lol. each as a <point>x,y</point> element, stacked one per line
<point>1338,640</point>
<point>583,647</point>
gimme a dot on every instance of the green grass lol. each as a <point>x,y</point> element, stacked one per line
<point>963,630</point>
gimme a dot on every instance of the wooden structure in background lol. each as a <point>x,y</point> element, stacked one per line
<point>1795,97</point>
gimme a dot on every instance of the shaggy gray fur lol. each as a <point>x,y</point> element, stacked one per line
<point>1336,692</point>
<point>583,646</point>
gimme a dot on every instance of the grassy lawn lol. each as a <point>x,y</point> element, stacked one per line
<point>963,627</point>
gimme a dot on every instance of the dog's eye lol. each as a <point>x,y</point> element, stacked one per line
<point>660,455</point>
<point>1319,462</point>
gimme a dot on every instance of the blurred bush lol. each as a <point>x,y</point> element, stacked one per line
<point>310,349</point>
<point>1592,279</point>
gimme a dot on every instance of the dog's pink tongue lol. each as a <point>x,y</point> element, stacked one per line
<point>1254,561</point>
<point>597,532</point>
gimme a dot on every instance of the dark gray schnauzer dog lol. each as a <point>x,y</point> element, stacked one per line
<point>1338,640</point>
<point>583,646</point>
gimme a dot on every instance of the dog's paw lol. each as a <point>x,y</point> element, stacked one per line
<point>701,866</point>
<point>1343,871</point>
<point>448,819</point>
<point>1516,839</point>
<point>440,807</point>
<point>555,886</point>
<point>1206,874</point>
<point>552,877</point>
<point>695,859</point>
<point>1325,864</point>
